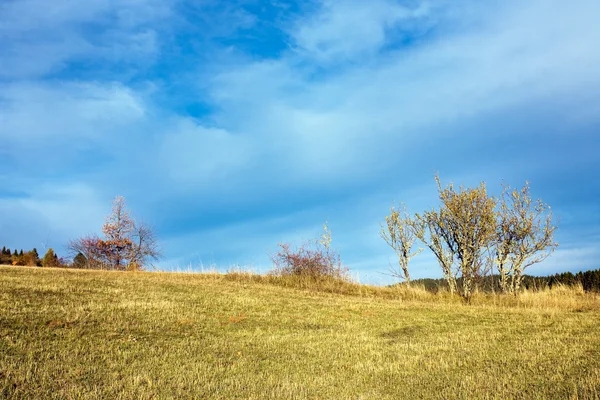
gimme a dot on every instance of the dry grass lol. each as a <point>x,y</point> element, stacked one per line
<point>91,334</point>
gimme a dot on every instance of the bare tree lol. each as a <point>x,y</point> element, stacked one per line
<point>145,246</point>
<point>118,229</point>
<point>88,246</point>
<point>428,228</point>
<point>398,233</point>
<point>126,245</point>
<point>460,232</point>
<point>525,236</point>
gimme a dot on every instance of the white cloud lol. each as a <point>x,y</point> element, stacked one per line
<point>65,110</point>
<point>344,30</point>
<point>67,131</point>
<point>370,111</point>
<point>41,38</point>
<point>27,15</point>
<point>197,155</point>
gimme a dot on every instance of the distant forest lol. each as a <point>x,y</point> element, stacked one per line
<point>589,280</point>
<point>31,258</point>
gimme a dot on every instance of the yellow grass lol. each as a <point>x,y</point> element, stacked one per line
<point>92,334</point>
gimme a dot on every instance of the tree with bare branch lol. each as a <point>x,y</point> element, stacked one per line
<point>145,248</point>
<point>118,228</point>
<point>89,246</point>
<point>460,232</point>
<point>428,227</point>
<point>398,233</point>
<point>525,236</point>
<point>127,245</point>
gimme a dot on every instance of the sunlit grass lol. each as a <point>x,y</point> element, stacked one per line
<point>91,334</point>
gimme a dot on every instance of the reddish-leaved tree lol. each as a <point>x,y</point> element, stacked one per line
<point>126,245</point>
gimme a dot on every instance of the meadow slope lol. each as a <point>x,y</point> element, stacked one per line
<point>89,334</point>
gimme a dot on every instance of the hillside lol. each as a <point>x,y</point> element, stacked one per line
<point>92,334</point>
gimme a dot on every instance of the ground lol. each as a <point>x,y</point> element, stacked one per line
<point>91,334</point>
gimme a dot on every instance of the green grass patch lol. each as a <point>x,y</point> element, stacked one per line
<point>90,334</point>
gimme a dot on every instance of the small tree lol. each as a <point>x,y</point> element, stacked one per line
<point>90,247</point>
<point>50,259</point>
<point>5,256</point>
<point>461,231</point>
<point>80,261</point>
<point>525,236</point>
<point>119,226</point>
<point>126,245</point>
<point>145,248</point>
<point>399,233</point>
<point>429,229</point>
<point>35,257</point>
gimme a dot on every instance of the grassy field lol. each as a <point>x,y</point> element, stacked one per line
<point>89,334</point>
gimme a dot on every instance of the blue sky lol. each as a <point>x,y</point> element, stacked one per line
<point>232,126</point>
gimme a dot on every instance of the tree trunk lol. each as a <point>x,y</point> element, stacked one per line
<point>517,281</point>
<point>404,267</point>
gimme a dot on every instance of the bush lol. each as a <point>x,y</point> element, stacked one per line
<point>313,259</point>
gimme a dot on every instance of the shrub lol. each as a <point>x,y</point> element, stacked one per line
<point>314,259</point>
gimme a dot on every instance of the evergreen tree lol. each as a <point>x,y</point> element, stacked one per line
<point>5,257</point>
<point>50,259</point>
<point>36,257</point>
<point>80,261</point>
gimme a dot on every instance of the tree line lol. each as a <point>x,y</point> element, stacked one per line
<point>589,281</point>
<point>31,258</point>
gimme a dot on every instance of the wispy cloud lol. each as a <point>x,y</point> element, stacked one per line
<point>41,39</point>
<point>342,31</point>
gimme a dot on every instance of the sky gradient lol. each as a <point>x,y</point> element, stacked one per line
<point>233,126</point>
